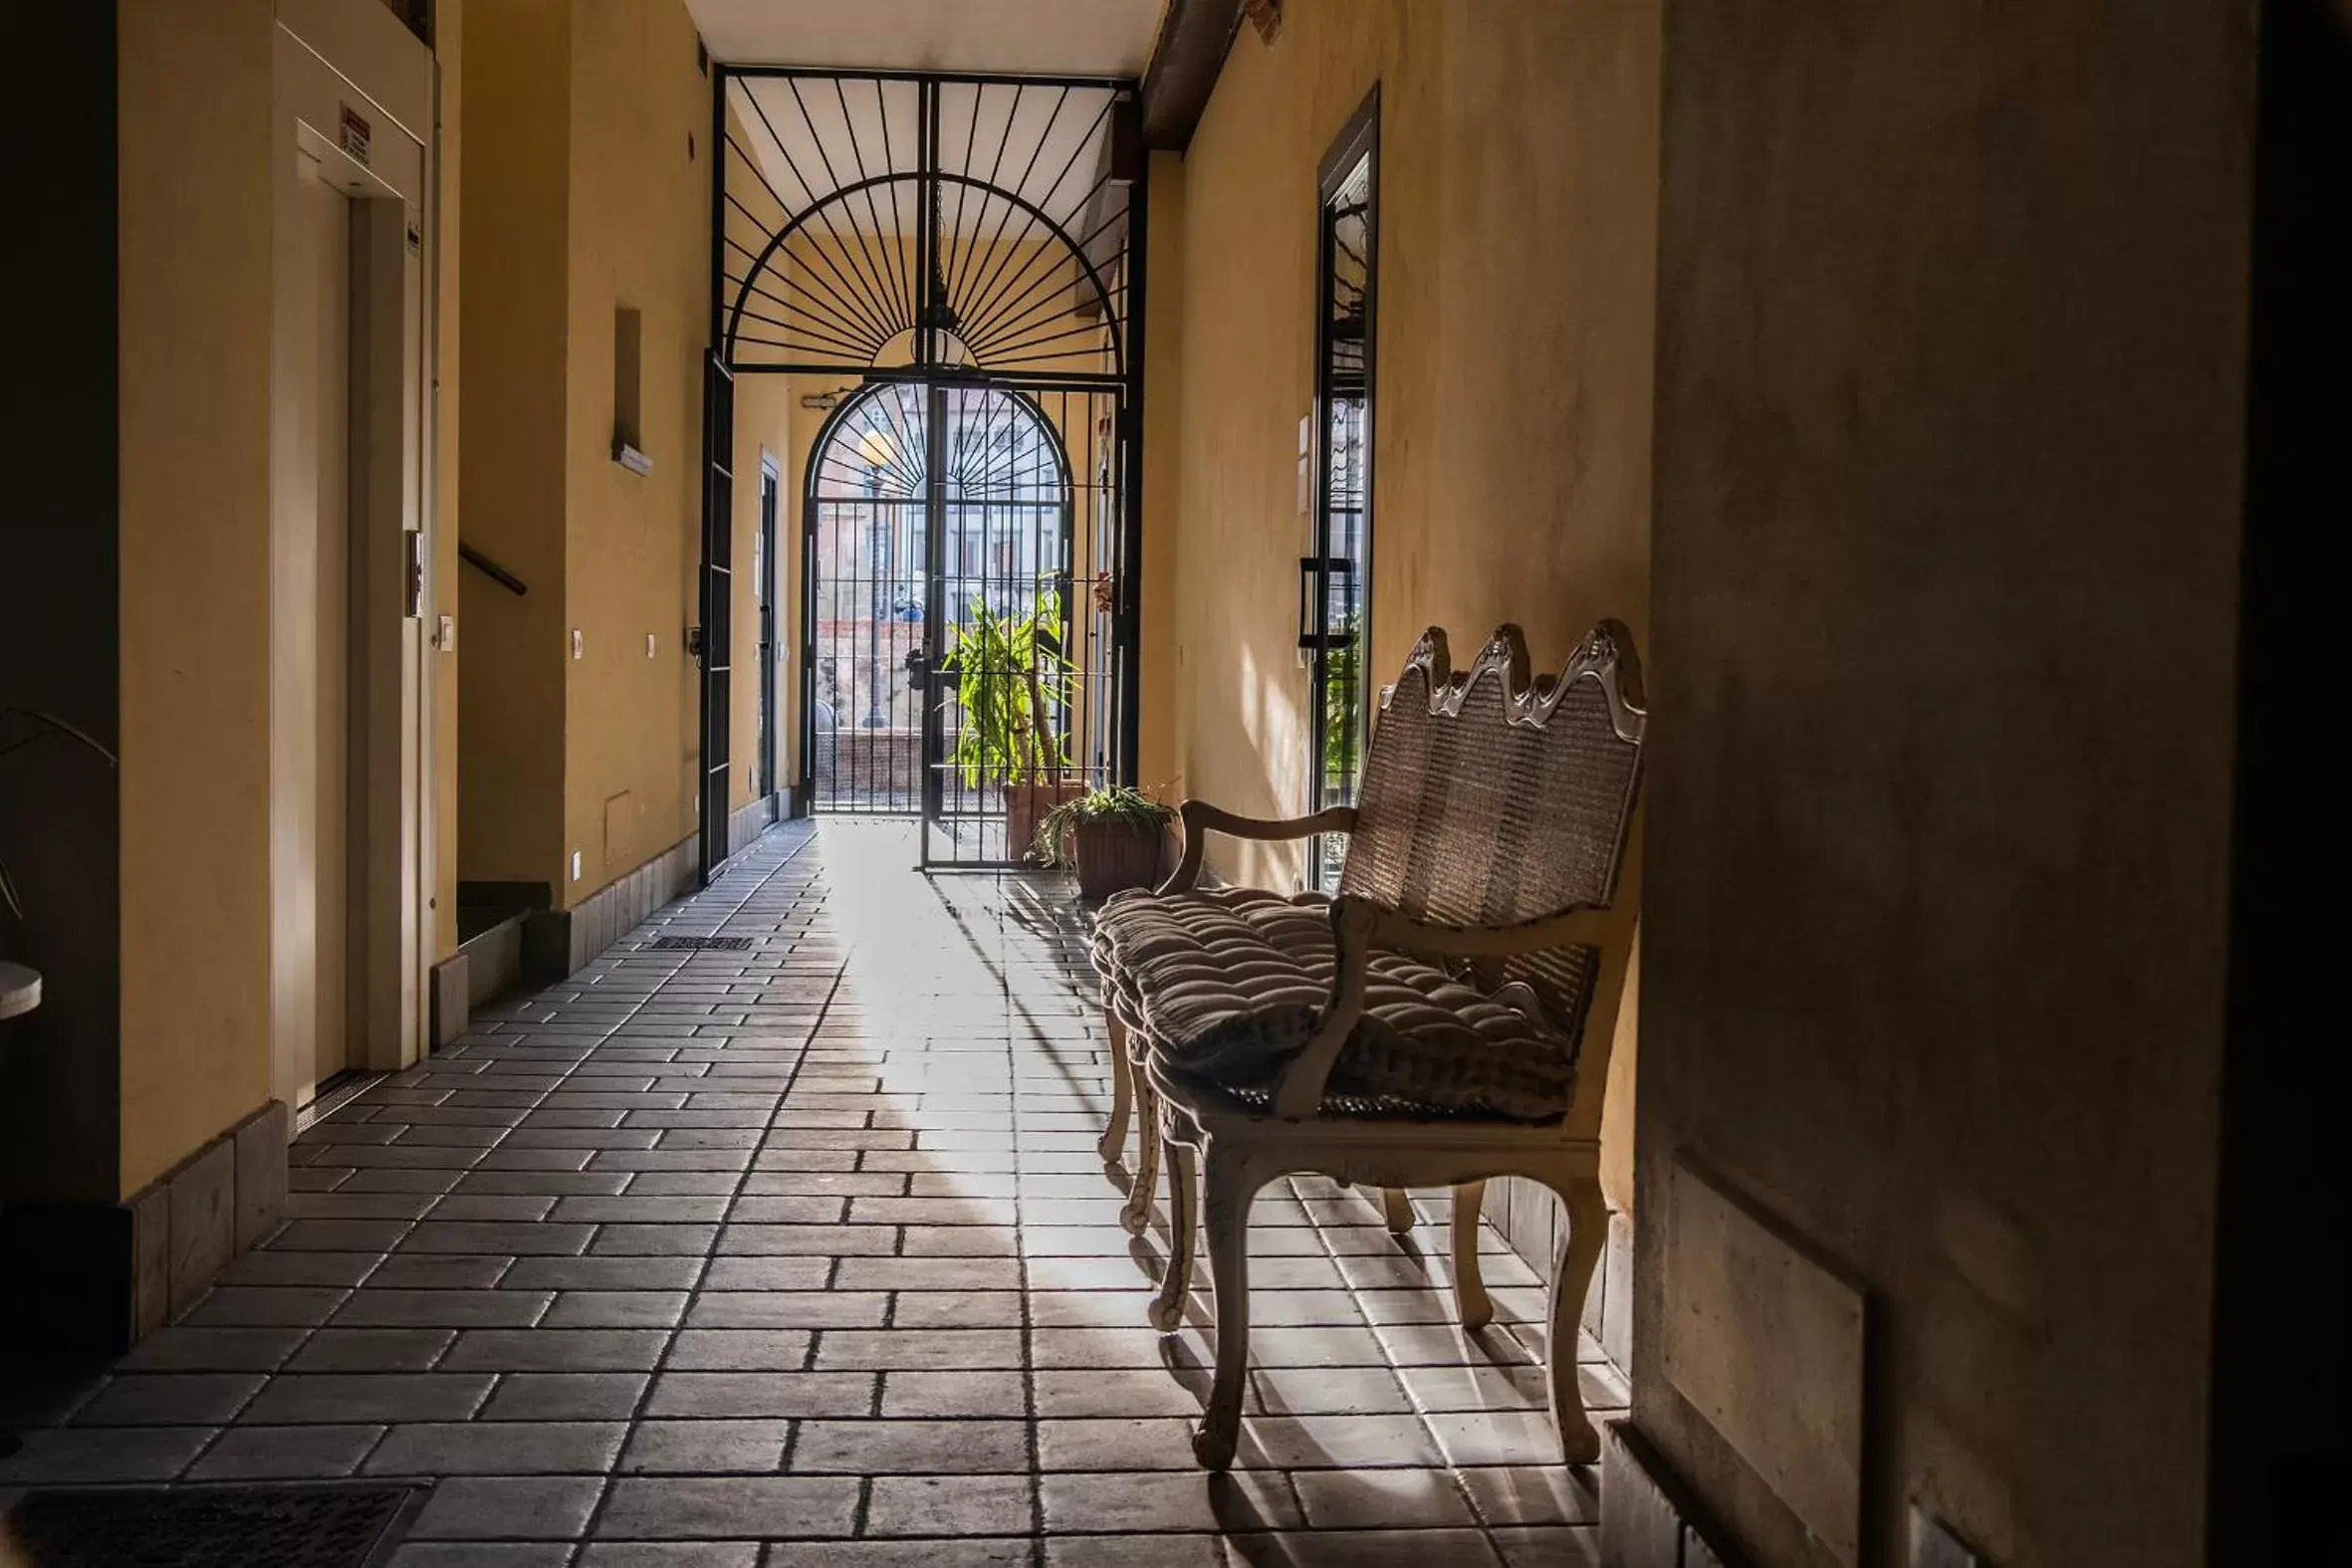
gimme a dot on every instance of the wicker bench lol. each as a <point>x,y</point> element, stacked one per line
<point>1445,1018</point>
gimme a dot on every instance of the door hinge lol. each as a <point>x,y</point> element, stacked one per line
<point>416,540</point>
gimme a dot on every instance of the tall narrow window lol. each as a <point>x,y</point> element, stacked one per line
<point>1336,572</point>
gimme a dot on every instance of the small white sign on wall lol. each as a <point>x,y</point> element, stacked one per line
<point>353,135</point>
<point>1305,465</point>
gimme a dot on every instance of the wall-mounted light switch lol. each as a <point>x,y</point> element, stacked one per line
<point>448,637</point>
<point>648,645</point>
<point>574,866</point>
<point>578,643</point>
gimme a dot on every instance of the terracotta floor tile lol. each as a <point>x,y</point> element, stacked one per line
<point>809,1246</point>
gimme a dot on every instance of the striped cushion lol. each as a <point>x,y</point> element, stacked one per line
<point>1227,986</point>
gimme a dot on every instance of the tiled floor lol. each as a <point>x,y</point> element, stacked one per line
<point>801,1254</point>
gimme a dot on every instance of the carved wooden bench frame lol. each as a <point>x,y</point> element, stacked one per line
<point>1219,1155</point>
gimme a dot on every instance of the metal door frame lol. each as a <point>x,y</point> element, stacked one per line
<point>948,513</point>
<point>716,582</point>
<point>1358,140</point>
<point>771,505</point>
<point>763,321</point>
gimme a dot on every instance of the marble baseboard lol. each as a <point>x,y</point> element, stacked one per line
<point>559,941</point>
<point>1529,1217</point>
<point>1648,1519</point>
<point>103,1277</point>
<point>747,822</point>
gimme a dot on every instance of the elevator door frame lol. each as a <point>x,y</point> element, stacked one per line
<point>354,92</point>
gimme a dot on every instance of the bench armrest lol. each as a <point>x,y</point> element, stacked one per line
<point>1201,818</point>
<point>1576,928</point>
<point>1358,928</point>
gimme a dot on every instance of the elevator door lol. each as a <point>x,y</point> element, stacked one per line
<point>320,320</point>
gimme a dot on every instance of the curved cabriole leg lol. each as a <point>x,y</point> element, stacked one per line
<point>1228,1186</point>
<point>1470,1288</point>
<point>1588,1221</point>
<point>1183,1188</point>
<point>1122,1093</point>
<point>1396,1207</point>
<point>1136,1216</point>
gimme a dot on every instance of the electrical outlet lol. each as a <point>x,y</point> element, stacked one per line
<point>1934,1546</point>
<point>578,643</point>
<point>574,866</point>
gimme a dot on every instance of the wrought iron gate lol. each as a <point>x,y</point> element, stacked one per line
<point>951,266</point>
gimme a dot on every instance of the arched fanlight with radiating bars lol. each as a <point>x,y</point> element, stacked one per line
<point>965,253</point>
<point>879,223</point>
<point>996,445</point>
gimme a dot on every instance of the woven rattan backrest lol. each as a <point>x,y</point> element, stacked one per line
<point>1489,799</point>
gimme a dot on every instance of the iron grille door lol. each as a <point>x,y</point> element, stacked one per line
<point>718,602</point>
<point>1024,712</point>
<point>952,264</point>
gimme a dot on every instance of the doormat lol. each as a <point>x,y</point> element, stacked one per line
<point>312,1526</point>
<point>700,943</point>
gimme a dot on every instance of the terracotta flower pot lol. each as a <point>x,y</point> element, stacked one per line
<point>1115,855</point>
<point>1026,805</point>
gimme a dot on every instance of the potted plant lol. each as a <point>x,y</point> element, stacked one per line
<point>1012,683</point>
<point>43,725</point>
<point>20,988</point>
<point>1116,838</point>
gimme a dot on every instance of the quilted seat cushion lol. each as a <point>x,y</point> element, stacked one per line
<point>1227,986</point>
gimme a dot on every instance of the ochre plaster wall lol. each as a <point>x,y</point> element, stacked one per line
<point>1517,212</point>
<point>582,197</point>
<point>1511,442</point>
<point>766,417</point>
<point>195,210</point>
<point>514,207</point>
<point>448,48</point>
<point>1951,332</point>
<point>769,422</point>
<point>639,237</point>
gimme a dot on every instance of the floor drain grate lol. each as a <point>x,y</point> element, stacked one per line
<point>700,943</point>
<point>317,1526</point>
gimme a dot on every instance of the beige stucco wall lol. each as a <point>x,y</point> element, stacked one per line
<point>1950,410</point>
<point>514,207</point>
<point>639,237</point>
<point>764,407</point>
<point>194,122</point>
<point>1515,308</point>
<point>449,50</point>
<point>582,197</point>
<point>769,423</point>
<point>198,160</point>
<point>1511,455</point>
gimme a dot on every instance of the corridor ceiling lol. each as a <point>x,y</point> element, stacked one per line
<point>1043,37</point>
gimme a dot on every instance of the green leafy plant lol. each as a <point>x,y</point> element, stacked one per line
<point>1343,672</point>
<point>1009,683</point>
<point>1119,804</point>
<point>43,725</point>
